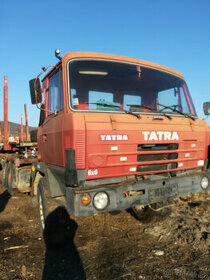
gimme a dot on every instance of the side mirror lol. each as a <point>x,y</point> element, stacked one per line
<point>35,97</point>
<point>206,108</point>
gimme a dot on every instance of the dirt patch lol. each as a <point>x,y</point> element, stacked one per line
<point>106,246</point>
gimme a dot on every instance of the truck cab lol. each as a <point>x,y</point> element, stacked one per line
<point>116,132</point>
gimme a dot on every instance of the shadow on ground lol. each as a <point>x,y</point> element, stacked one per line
<point>62,260</point>
<point>4,198</point>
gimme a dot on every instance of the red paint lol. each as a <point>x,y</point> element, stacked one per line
<point>125,194</point>
<point>6,145</point>
<point>17,162</point>
<point>21,129</point>
<point>26,118</point>
<point>82,106</point>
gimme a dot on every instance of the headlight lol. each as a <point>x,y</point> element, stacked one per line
<point>204,183</point>
<point>101,200</point>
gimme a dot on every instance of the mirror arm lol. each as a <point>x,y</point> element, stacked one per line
<point>206,108</point>
<point>43,70</point>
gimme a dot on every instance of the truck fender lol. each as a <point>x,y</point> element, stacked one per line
<point>35,183</point>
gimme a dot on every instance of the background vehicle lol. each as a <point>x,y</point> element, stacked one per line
<point>17,150</point>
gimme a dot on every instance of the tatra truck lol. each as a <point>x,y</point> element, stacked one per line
<point>116,133</point>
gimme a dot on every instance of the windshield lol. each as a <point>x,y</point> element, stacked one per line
<point>100,85</point>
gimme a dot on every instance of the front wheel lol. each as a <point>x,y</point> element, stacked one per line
<point>42,205</point>
<point>46,205</point>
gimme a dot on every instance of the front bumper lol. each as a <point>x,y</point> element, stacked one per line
<point>140,193</point>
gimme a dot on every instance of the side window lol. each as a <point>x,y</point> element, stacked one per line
<point>43,104</point>
<point>54,93</point>
<point>56,98</point>
<point>185,107</point>
<point>61,91</point>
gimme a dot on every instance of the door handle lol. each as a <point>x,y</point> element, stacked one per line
<point>44,138</point>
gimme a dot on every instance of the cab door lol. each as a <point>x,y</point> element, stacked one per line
<point>52,127</point>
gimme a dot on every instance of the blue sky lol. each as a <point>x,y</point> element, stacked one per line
<point>172,33</point>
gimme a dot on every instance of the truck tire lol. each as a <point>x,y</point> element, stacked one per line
<point>0,174</point>
<point>4,174</point>
<point>9,178</point>
<point>42,205</point>
<point>45,205</point>
<point>147,213</point>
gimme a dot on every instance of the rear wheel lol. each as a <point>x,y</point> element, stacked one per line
<point>4,174</point>
<point>10,178</point>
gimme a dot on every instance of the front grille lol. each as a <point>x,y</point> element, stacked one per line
<point>156,167</point>
<point>157,147</point>
<point>156,157</point>
<point>164,155</point>
<point>80,149</point>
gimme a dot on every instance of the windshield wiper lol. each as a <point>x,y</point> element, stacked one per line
<point>177,111</point>
<point>131,113</point>
<point>152,110</point>
<point>112,105</point>
<point>104,104</point>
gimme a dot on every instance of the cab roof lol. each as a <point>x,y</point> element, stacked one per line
<point>94,55</point>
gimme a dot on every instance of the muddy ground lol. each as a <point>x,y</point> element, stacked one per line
<point>106,246</point>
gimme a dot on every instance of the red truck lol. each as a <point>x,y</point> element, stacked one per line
<point>116,133</point>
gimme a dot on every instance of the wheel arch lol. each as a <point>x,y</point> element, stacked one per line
<point>54,178</point>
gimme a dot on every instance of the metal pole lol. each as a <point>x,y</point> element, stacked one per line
<point>21,129</point>
<point>6,145</point>
<point>26,116</point>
